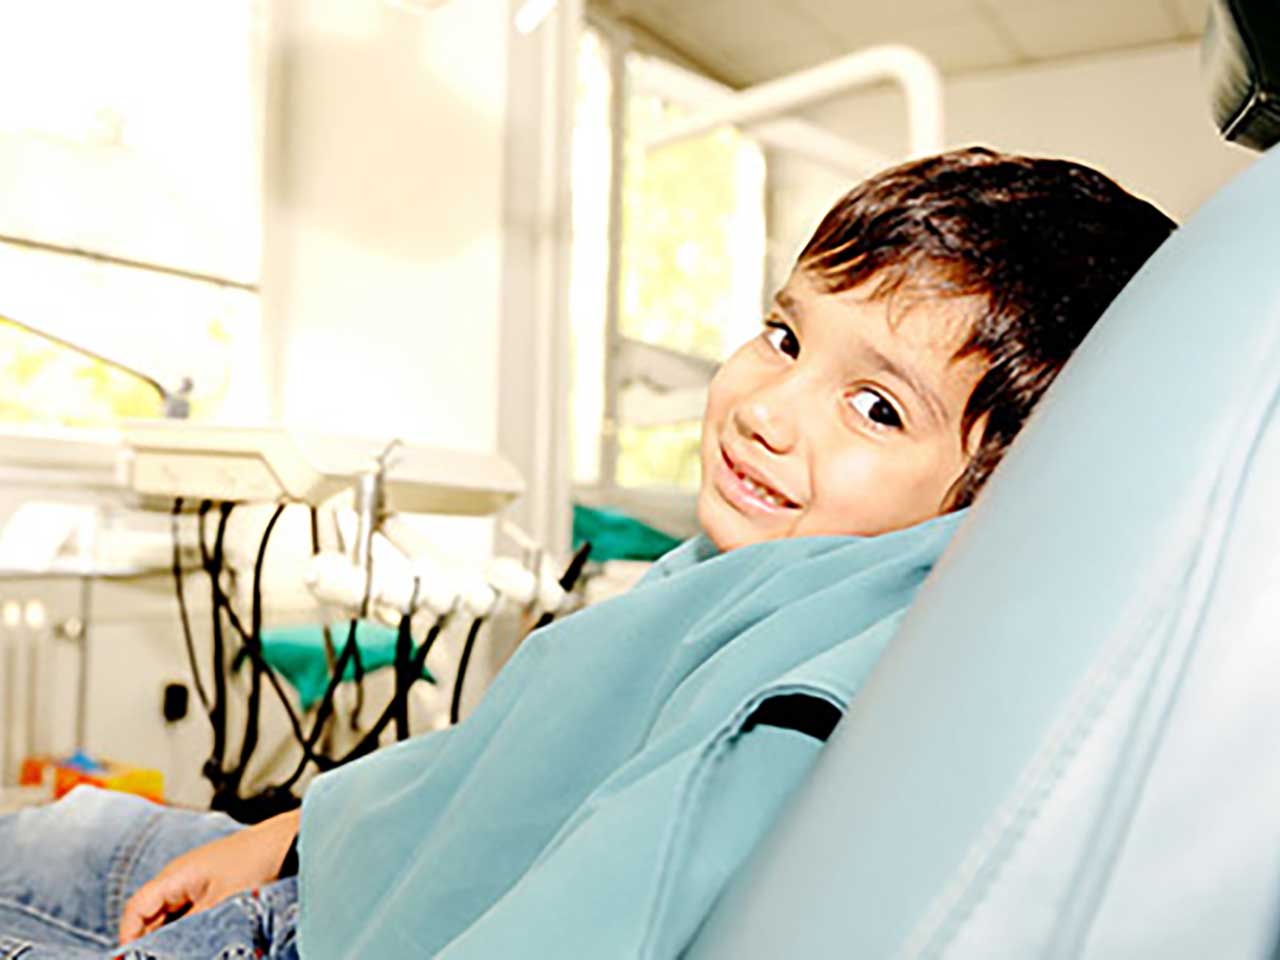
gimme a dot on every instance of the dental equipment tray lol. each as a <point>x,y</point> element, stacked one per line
<point>167,460</point>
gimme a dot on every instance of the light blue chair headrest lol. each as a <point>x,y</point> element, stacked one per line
<point>1071,748</point>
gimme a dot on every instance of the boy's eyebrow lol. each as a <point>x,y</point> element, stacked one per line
<point>907,376</point>
<point>789,304</point>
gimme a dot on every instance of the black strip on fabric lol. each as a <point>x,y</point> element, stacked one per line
<point>289,866</point>
<point>801,712</point>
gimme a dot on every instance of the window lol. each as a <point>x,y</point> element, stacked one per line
<point>131,219</point>
<point>689,276</point>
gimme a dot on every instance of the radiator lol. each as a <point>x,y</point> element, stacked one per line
<point>35,614</point>
<point>20,683</point>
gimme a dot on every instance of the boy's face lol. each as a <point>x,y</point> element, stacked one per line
<point>840,418</point>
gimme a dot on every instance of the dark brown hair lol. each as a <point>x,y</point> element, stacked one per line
<point>1044,244</point>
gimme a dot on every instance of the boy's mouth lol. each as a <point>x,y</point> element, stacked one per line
<point>746,487</point>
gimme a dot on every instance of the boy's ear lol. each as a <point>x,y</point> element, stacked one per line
<point>971,445</point>
<point>971,442</point>
<point>949,499</point>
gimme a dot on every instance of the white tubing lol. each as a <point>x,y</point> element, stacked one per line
<point>551,595</point>
<point>920,80</point>
<point>396,591</point>
<point>476,596</point>
<point>511,580</point>
<point>437,588</point>
<point>794,135</point>
<point>335,580</point>
<point>386,615</point>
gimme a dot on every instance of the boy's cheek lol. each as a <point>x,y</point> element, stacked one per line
<point>726,529</point>
<point>737,376</point>
<point>716,398</point>
<point>714,418</point>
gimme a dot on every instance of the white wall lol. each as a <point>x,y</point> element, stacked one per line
<point>383,217</point>
<point>1141,117</point>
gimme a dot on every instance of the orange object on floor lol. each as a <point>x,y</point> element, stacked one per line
<point>67,773</point>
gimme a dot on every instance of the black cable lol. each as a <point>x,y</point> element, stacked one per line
<point>257,657</point>
<point>183,614</point>
<point>315,531</point>
<point>226,782</point>
<point>456,704</point>
<point>218,712</point>
<point>322,713</point>
<point>573,572</point>
<point>247,649</point>
<point>253,644</point>
<point>357,677</point>
<point>220,597</point>
<point>404,681</point>
<point>370,741</point>
<point>404,663</point>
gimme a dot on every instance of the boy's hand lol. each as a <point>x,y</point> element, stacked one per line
<point>205,876</point>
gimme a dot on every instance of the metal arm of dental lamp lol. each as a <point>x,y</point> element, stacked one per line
<point>177,403</point>
<point>916,74</point>
<point>371,512</point>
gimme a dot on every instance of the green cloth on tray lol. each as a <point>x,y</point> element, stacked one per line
<point>616,536</point>
<point>297,654</point>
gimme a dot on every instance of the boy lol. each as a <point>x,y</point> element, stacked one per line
<point>628,759</point>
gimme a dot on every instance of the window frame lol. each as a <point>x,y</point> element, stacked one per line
<point>669,508</point>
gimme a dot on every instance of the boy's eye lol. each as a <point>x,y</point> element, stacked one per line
<point>876,408</point>
<point>782,338</point>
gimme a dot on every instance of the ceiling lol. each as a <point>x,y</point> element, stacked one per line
<point>742,42</point>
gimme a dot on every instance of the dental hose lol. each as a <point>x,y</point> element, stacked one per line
<point>455,704</point>
<point>253,648</point>
<point>322,714</point>
<point>183,614</point>
<point>226,782</point>
<point>369,742</point>
<point>218,711</point>
<point>404,661</point>
<point>569,580</point>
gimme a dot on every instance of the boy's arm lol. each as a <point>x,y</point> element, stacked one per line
<point>207,875</point>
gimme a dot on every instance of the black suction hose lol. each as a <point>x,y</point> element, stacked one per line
<point>569,580</point>
<point>369,742</point>
<point>456,703</point>
<point>253,647</point>
<point>183,614</point>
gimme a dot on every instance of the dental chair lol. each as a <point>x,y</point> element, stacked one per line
<point>1072,748</point>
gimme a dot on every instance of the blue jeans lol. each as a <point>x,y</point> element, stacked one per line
<point>67,870</point>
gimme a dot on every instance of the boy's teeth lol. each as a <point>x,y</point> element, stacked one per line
<point>764,493</point>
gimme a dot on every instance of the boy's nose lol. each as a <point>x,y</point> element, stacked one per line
<point>766,418</point>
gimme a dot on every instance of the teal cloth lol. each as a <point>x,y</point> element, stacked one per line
<point>571,814</point>
<point>297,654</point>
<point>617,536</point>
